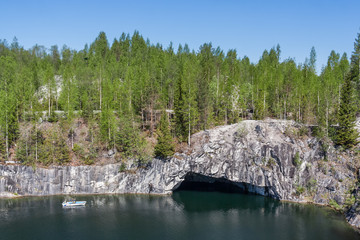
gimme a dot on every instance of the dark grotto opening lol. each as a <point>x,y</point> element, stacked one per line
<point>198,182</point>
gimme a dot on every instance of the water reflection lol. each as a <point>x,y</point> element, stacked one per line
<point>184,215</point>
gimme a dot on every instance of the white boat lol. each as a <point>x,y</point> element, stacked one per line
<point>73,203</point>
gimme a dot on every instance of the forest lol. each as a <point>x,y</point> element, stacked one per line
<point>132,94</point>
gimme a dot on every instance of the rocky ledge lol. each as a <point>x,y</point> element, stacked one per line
<point>272,158</point>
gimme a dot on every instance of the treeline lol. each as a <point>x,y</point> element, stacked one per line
<point>133,80</point>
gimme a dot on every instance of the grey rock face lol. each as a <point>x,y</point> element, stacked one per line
<point>263,157</point>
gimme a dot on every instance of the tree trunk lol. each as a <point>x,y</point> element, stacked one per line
<point>36,144</point>
<point>72,139</point>
<point>49,98</point>
<point>189,137</point>
<point>100,88</point>
<point>7,136</point>
<point>217,92</point>
<point>68,102</point>
<point>318,105</point>
<point>299,111</point>
<point>327,117</point>
<point>264,105</point>
<point>142,119</point>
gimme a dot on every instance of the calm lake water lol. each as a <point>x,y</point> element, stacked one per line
<point>184,215</point>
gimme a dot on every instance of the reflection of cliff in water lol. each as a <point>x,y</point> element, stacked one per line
<point>184,215</point>
<point>193,201</point>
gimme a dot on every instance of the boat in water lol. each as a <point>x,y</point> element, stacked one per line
<point>73,203</point>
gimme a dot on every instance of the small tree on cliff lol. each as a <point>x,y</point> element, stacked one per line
<point>347,134</point>
<point>165,145</point>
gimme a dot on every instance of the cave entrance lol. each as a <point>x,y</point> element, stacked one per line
<point>198,182</point>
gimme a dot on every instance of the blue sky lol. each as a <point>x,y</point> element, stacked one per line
<point>249,26</point>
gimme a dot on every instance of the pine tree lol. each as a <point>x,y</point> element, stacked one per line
<point>347,135</point>
<point>129,141</point>
<point>165,146</point>
<point>355,64</point>
<point>180,124</point>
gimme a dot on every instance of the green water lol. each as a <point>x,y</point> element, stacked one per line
<point>184,215</point>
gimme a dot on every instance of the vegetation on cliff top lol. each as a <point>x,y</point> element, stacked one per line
<point>118,93</point>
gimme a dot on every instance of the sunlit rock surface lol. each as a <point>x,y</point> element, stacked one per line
<point>272,158</point>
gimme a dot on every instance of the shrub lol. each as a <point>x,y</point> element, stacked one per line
<point>53,117</point>
<point>300,190</point>
<point>334,204</point>
<point>311,185</point>
<point>271,162</point>
<point>297,160</point>
<point>350,201</point>
<point>122,167</point>
<point>76,148</point>
<point>322,167</point>
<point>303,131</point>
<point>242,132</point>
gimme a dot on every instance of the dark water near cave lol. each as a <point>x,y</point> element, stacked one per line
<point>184,215</point>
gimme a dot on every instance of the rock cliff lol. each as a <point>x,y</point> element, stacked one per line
<point>272,158</point>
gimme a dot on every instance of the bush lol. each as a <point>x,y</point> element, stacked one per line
<point>311,185</point>
<point>242,132</point>
<point>271,162</point>
<point>122,167</point>
<point>350,201</point>
<point>316,132</point>
<point>90,156</point>
<point>76,148</point>
<point>334,204</point>
<point>303,131</point>
<point>297,160</point>
<point>325,147</point>
<point>53,118</point>
<point>300,190</point>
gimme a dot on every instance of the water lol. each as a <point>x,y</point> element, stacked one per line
<point>184,215</point>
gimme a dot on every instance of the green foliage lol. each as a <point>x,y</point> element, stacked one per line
<point>122,167</point>
<point>324,144</point>
<point>346,134</point>
<point>271,162</point>
<point>297,160</point>
<point>299,190</point>
<point>34,148</point>
<point>350,201</point>
<point>89,156</point>
<point>29,145</point>
<point>129,141</point>
<point>311,185</point>
<point>334,204</point>
<point>107,125</point>
<point>165,146</point>
<point>53,117</point>
<point>76,149</point>
<point>242,132</point>
<point>54,149</point>
<point>303,131</point>
<point>105,82</point>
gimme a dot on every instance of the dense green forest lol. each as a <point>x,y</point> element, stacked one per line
<point>122,90</point>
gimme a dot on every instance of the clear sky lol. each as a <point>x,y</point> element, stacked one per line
<point>249,26</point>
